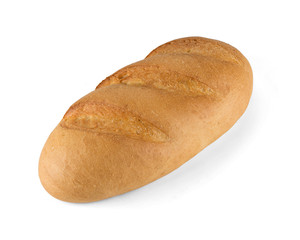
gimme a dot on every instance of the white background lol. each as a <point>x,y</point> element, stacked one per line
<point>246,185</point>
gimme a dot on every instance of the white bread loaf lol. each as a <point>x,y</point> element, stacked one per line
<point>146,120</point>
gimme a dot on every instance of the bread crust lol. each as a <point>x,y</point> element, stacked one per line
<point>146,120</point>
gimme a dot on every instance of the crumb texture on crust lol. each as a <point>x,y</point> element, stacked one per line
<point>104,118</point>
<point>200,46</point>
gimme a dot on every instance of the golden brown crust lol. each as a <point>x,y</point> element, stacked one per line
<point>156,77</point>
<point>102,118</point>
<point>146,120</point>
<point>200,46</point>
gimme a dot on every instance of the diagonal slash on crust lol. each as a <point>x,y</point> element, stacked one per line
<point>155,77</point>
<point>104,118</point>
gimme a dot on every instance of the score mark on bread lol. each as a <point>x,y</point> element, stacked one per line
<point>104,118</point>
<point>155,77</point>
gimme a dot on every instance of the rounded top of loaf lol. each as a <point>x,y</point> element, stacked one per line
<point>202,46</point>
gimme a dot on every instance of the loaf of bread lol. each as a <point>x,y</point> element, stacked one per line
<point>146,120</point>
